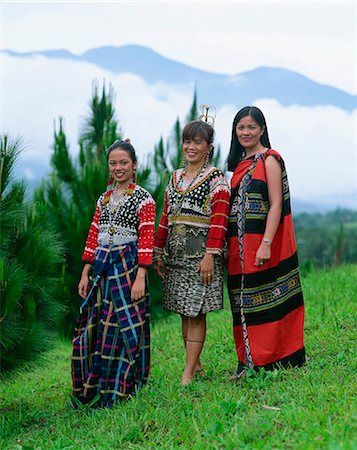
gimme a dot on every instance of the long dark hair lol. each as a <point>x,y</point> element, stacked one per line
<point>236,151</point>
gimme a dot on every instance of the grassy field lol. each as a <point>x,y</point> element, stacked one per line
<point>308,408</point>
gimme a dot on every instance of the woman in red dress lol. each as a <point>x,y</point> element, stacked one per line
<point>263,273</point>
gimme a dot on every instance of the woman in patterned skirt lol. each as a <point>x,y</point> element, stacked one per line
<point>190,238</point>
<point>111,348</point>
<point>263,274</point>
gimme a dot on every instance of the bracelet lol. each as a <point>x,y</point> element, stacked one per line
<point>267,241</point>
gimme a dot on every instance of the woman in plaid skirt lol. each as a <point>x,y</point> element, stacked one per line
<point>111,347</point>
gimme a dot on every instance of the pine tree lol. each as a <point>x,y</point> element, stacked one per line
<point>29,265</point>
<point>76,183</point>
<point>74,187</point>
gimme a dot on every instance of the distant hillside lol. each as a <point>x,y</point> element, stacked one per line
<point>327,239</point>
<point>285,86</point>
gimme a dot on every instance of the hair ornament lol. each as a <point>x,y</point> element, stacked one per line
<point>208,114</point>
<point>127,140</point>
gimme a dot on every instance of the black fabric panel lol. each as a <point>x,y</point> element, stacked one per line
<point>272,314</point>
<point>255,226</point>
<point>258,278</point>
<point>232,229</point>
<point>296,359</point>
<point>259,186</point>
<point>234,193</point>
<point>286,209</point>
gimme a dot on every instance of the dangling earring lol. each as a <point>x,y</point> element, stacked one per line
<point>206,162</point>
<point>134,176</point>
<point>183,163</point>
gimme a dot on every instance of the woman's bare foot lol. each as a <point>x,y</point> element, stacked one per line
<point>187,377</point>
<point>199,370</point>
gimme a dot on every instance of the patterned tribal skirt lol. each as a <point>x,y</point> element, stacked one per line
<point>183,291</point>
<point>111,347</point>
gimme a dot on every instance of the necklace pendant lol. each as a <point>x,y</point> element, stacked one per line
<point>111,230</point>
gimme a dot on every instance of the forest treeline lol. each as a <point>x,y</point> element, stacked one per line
<point>326,240</point>
<point>42,239</point>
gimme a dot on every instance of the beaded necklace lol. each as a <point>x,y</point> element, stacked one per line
<point>179,201</point>
<point>116,201</point>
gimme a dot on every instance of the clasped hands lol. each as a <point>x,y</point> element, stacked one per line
<point>205,269</point>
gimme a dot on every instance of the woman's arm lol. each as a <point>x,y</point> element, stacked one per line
<point>218,227</point>
<point>89,249</point>
<point>160,239</point>
<point>275,193</point>
<point>83,282</point>
<point>146,229</point>
<point>219,196</point>
<point>92,238</point>
<point>138,287</point>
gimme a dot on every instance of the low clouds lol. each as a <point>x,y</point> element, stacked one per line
<point>318,144</point>
<point>316,39</point>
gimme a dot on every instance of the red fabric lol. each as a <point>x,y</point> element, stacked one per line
<point>284,243</point>
<point>92,239</point>
<point>218,224</point>
<point>219,221</point>
<point>146,230</point>
<point>146,233</point>
<point>273,341</point>
<point>162,230</point>
<point>239,172</point>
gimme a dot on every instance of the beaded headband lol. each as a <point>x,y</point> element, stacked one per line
<point>208,114</point>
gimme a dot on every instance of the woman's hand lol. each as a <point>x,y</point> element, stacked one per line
<point>138,287</point>
<point>263,254</point>
<point>159,268</point>
<point>206,269</point>
<point>84,281</point>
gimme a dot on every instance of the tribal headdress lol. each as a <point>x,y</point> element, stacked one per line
<point>208,114</point>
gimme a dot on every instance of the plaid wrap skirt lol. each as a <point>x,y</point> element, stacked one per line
<point>111,346</point>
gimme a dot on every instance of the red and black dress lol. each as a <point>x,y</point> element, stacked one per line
<point>266,302</point>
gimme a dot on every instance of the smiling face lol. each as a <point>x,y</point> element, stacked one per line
<point>121,166</point>
<point>248,133</point>
<point>196,150</point>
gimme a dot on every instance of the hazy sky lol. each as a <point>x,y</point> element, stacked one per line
<point>317,39</point>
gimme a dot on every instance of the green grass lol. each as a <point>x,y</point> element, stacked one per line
<point>315,404</point>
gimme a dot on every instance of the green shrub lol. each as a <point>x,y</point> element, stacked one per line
<point>29,269</point>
